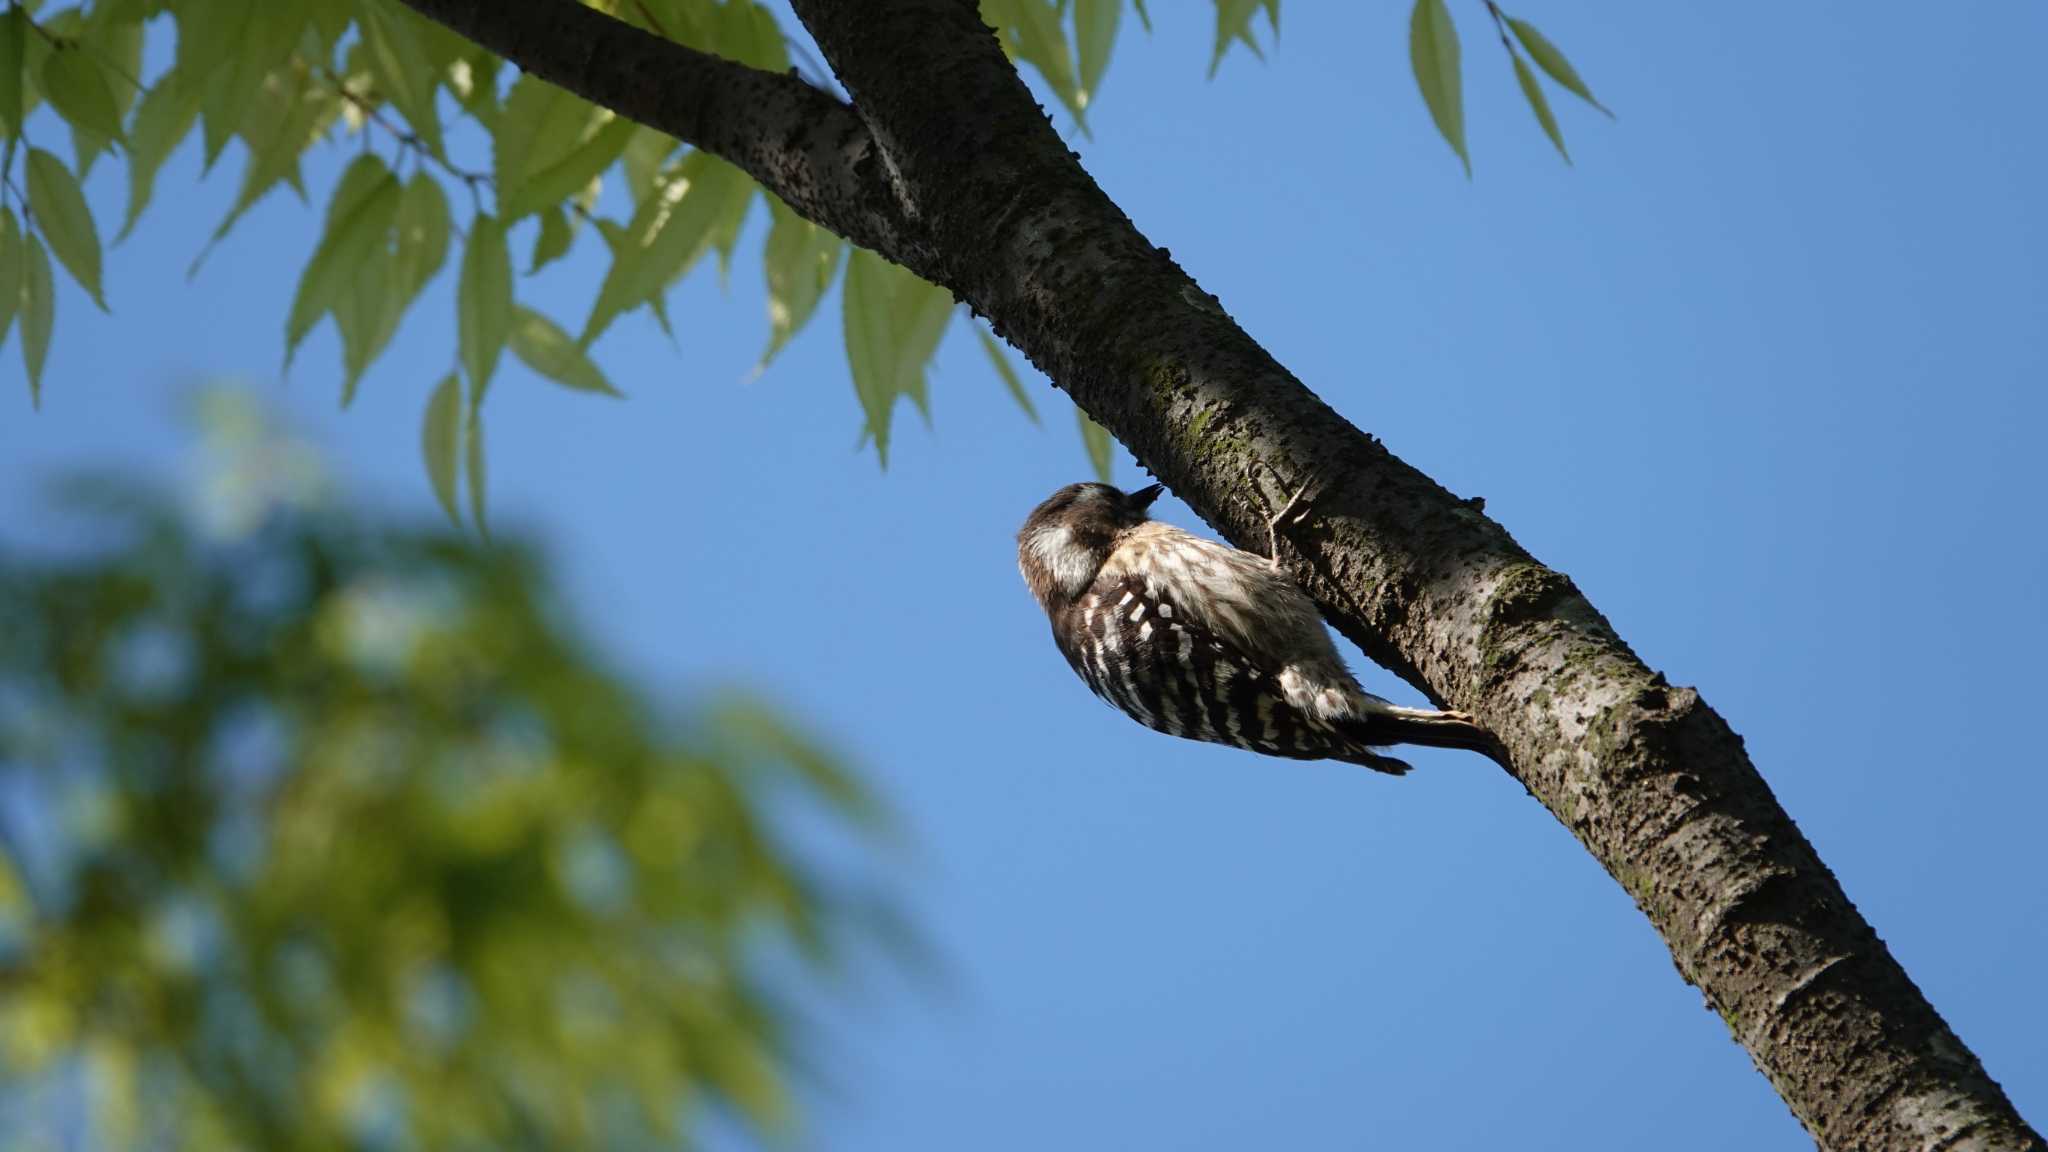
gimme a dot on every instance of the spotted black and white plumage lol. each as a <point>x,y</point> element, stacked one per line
<point>1198,639</point>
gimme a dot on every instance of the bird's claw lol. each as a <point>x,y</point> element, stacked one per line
<point>1295,507</point>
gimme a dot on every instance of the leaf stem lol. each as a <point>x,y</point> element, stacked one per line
<point>1500,27</point>
<point>28,214</point>
<point>410,141</point>
<point>55,40</point>
<point>653,21</point>
<point>80,43</point>
<point>406,137</point>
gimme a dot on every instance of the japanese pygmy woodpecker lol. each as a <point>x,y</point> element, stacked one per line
<point>1198,639</point>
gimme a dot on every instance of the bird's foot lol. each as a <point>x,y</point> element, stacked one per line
<point>1296,507</point>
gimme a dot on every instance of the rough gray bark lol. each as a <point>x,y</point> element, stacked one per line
<point>945,164</point>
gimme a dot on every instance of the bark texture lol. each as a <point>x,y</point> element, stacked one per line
<point>945,164</point>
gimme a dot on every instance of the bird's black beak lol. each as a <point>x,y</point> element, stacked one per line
<point>1143,497</point>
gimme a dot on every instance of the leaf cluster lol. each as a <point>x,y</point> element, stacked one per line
<point>1434,55</point>
<point>467,169</point>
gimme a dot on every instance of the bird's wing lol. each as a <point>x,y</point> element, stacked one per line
<point>1235,595</point>
<point>1147,654</point>
<point>1152,657</point>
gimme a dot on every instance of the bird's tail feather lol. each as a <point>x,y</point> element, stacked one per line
<point>1367,758</point>
<point>1429,730</point>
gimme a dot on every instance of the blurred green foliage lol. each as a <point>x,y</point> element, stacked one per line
<point>324,833</point>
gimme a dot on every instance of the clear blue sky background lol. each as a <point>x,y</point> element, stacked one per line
<point>1764,372</point>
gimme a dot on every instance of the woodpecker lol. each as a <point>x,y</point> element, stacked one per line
<point>1197,639</point>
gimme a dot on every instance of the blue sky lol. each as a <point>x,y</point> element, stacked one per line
<point>1764,372</point>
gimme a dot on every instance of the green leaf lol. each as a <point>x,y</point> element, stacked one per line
<point>1095,24</point>
<point>60,209</point>
<point>442,47</point>
<point>922,312</point>
<point>553,241</point>
<point>1008,374</point>
<point>223,100</point>
<point>474,83</point>
<point>120,40</point>
<point>208,36</point>
<point>1095,438</point>
<point>77,88</point>
<point>567,176</point>
<point>893,322</point>
<point>483,301</point>
<point>423,231</point>
<point>364,177</point>
<point>661,18</point>
<point>645,155</point>
<point>614,234</point>
<point>800,260</point>
<point>548,350</point>
<point>403,69</point>
<point>667,234</point>
<point>367,315</point>
<point>1552,61</point>
<point>284,116</point>
<point>473,461</point>
<point>745,32</point>
<point>1031,31</point>
<point>116,39</point>
<point>390,278</point>
<point>327,22</point>
<point>1433,52</point>
<point>1540,105</point>
<point>441,442</point>
<point>86,149</point>
<point>36,49</point>
<point>1144,17</point>
<point>358,219</point>
<point>162,121</point>
<point>1234,26</point>
<point>38,314</point>
<point>520,122</point>
<point>11,257</point>
<point>14,36</point>
<point>725,230</point>
<point>245,42</point>
<point>659,307</point>
<point>864,313</point>
<point>539,127</point>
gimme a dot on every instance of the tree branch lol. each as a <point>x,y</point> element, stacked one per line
<point>952,170</point>
<point>1648,777</point>
<point>796,141</point>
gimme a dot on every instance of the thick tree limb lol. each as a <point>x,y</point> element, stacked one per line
<point>958,176</point>
<point>796,141</point>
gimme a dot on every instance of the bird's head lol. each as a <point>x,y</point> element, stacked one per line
<point>1067,537</point>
